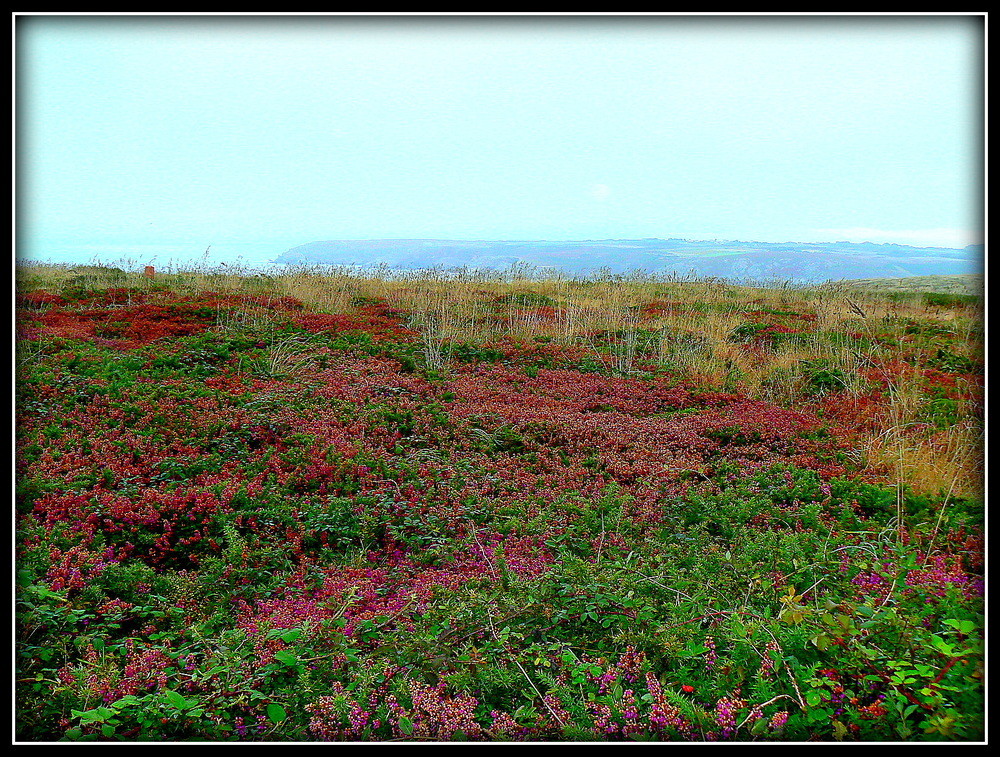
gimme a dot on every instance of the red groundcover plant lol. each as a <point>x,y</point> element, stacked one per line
<point>241,520</point>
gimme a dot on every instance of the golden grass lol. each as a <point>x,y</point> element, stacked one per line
<point>944,462</point>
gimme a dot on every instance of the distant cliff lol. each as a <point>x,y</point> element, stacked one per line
<point>739,261</point>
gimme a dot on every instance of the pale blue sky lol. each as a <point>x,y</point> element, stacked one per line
<point>278,131</point>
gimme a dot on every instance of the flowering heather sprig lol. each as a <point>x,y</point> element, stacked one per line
<point>145,670</point>
<point>115,607</point>
<point>726,713</point>
<point>554,707</point>
<point>605,723</point>
<point>630,715</point>
<point>664,717</point>
<point>75,568</point>
<point>340,717</point>
<point>778,720</point>
<point>634,711</point>
<point>433,713</point>
<point>767,664</point>
<point>627,669</point>
<point>504,725</point>
<point>945,572</point>
<point>710,656</point>
<point>871,583</point>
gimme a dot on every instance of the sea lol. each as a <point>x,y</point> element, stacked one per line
<point>168,258</point>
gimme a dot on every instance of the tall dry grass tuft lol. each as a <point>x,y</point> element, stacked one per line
<point>934,464</point>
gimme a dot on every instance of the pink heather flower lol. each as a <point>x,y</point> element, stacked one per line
<point>710,655</point>
<point>726,711</point>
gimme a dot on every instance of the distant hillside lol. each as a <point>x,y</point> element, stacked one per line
<point>739,261</point>
<point>971,283</point>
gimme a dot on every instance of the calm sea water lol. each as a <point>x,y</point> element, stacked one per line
<point>165,257</point>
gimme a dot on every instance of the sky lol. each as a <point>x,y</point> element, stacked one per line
<point>259,133</point>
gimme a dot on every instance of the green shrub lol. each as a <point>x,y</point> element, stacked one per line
<point>821,377</point>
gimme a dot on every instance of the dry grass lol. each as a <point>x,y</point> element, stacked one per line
<point>944,462</point>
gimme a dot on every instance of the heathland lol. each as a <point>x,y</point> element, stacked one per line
<point>329,505</point>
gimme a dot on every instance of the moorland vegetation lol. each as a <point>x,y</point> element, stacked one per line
<point>316,505</point>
